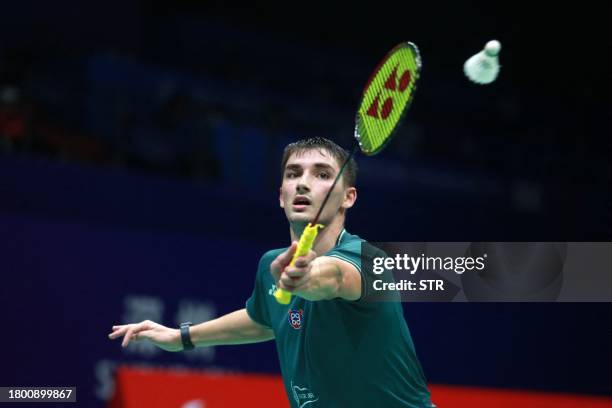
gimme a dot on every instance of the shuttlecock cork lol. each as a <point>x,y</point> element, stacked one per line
<point>483,67</point>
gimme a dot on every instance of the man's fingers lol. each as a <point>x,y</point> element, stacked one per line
<point>118,331</point>
<point>282,260</point>
<point>127,337</point>
<point>287,282</point>
<point>141,335</point>
<point>285,258</point>
<point>281,285</point>
<point>275,268</point>
<point>131,332</point>
<point>294,272</point>
<point>304,260</point>
<point>298,283</point>
<point>114,335</point>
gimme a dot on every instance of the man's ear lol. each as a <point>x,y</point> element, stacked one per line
<point>350,196</point>
<point>280,197</point>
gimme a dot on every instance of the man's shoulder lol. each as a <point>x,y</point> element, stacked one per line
<point>354,247</point>
<point>347,249</point>
<point>348,242</point>
<point>348,237</point>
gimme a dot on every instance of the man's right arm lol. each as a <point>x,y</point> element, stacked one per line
<point>233,328</point>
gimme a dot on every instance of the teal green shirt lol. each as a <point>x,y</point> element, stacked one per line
<point>339,353</point>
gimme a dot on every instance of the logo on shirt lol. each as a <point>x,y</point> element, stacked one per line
<point>272,290</point>
<point>296,318</point>
<point>302,395</point>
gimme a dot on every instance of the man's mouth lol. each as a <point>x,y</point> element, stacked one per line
<point>301,202</point>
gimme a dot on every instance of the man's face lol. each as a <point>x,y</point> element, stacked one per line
<point>307,177</point>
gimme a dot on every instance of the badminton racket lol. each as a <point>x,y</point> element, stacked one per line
<point>384,102</point>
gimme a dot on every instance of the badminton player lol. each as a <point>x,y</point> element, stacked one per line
<point>335,348</point>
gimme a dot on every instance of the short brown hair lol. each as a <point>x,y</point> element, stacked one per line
<point>323,144</point>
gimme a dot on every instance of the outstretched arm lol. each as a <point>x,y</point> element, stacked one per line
<point>316,278</point>
<point>233,328</point>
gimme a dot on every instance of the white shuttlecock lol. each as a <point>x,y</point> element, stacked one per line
<point>483,67</point>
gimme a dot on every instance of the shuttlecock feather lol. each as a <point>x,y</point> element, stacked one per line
<point>483,67</point>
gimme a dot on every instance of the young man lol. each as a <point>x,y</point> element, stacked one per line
<point>336,349</point>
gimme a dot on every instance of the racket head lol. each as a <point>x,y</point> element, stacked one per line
<point>387,97</point>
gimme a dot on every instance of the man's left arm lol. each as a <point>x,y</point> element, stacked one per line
<point>317,278</point>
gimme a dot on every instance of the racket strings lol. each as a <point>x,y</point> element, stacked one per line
<point>388,94</point>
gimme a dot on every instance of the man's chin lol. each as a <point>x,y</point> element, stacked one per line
<point>303,217</point>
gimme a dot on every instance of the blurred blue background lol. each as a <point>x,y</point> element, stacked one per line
<point>140,146</point>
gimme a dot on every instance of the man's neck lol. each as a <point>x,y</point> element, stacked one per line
<point>326,238</point>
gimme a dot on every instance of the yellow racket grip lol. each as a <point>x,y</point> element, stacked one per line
<point>304,246</point>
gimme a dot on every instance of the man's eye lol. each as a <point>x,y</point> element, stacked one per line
<point>324,176</point>
<point>290,175</point>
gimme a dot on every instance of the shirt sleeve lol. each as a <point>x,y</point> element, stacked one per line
<point>351,253</point>
<point>256,305</point>
<point>359,253</point>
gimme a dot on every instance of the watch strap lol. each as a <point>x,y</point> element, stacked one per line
<point>185,337</point>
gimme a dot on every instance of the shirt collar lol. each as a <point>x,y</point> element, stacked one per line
<point>340,236</point>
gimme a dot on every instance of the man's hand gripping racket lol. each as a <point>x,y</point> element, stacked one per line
<point>386,98</point>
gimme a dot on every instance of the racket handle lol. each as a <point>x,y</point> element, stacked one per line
<point>304,246</point>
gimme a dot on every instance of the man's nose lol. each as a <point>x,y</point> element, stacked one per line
<point>302,185</point>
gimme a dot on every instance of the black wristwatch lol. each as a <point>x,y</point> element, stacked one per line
<point>185,337</point>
